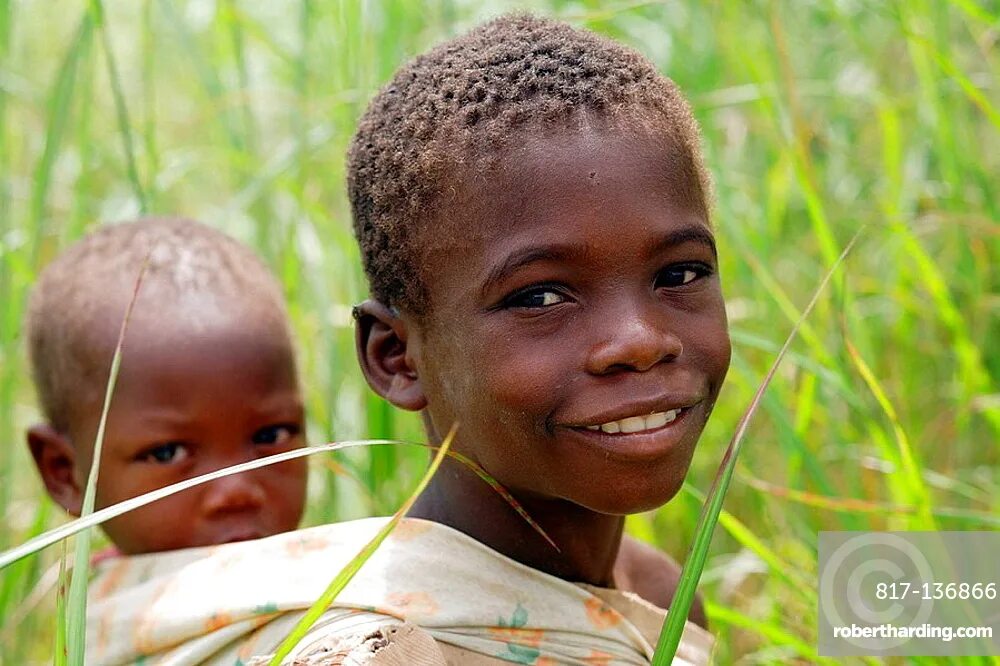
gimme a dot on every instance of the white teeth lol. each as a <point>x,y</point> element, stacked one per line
<point>633,424</point>
<point>637,423</point>
<point>658,420</point>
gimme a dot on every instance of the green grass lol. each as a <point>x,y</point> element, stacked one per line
<point>818,118</point>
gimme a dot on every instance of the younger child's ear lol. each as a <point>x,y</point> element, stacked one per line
<point>55,459</point>
<point>380,338</point>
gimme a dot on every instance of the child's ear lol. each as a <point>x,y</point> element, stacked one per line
<point>380,337</point>
<point>55,459</point>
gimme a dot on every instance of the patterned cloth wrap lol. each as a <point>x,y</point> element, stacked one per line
<point>226,604</point>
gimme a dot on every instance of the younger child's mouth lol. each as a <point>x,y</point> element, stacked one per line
<point>634,424</point>
<point>236,537</point>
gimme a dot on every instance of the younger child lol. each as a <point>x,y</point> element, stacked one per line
<point>207,380</point>
<point>533,215</point>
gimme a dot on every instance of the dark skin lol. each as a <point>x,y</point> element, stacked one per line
<point>190,399</point>
<point>577,333</point>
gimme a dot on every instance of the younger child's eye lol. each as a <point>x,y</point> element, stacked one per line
<point>541,297</point>
<point>680,275</point>
<point>275,435</point>
<point>165,454</point>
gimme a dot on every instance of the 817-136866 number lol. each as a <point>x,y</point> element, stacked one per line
<point>934,591</point>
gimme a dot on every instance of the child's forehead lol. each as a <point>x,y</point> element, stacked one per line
<point>564,172</point>
<point>168,359</point>
<point>173,332</point>
<point>595,155</point>
<point>205,324</point>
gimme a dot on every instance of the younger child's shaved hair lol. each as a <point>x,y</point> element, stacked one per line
<point>450,113</point>
<point>78,304</point>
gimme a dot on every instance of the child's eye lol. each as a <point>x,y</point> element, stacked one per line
<point>275,435</point>
<point>165,454</point>
<point>680,275</point>
<point>540,297</point>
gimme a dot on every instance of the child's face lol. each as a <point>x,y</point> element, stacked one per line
<point>190,404</point>
<point>577,330</point>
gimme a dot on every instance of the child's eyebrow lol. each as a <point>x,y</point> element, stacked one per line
<point>528,255</point>
<point>692,234</point>
<point>562,251</point>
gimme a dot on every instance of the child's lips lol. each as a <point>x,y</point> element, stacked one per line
<point>638,416</point>
<point>238,535</point>
<point>648,441</point>
<point>633,424</point>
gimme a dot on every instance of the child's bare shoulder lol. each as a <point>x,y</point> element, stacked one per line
<point>653,575</point>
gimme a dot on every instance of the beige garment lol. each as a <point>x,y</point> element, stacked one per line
<point>224,605</point>
<point>696,648</point>
<point>399,645</point>
<point>407,644</point>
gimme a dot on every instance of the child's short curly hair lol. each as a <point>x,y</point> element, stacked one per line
<point>78,303</point>
<point>454,109</point>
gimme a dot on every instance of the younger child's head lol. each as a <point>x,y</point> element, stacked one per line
<point>207,380</point>
<point>532,208</point>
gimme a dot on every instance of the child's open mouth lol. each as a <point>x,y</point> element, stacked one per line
<point>632,424</point>
<point>637,438</point>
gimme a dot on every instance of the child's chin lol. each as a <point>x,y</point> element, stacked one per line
<point>631,501</point>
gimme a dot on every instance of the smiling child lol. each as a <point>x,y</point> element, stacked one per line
<point>544,273</point>
<point>532,210</point>
<point>207,381</point>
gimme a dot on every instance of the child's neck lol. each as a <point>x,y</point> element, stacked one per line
<point>588,541</point>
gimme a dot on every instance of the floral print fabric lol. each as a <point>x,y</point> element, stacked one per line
<point>225,604</point>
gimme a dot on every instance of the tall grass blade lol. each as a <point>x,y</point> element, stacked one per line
<point>975,11</point>
<point>6,163</point>
<point>746,538</point>
<point>13,583</point>
<point>968,87</point>
<point>85,522</point>
<point>208,75</point>
<point>910,464</point>
<point>121,110</point>
<point>76,631</point>
<point>57,534</point>
<point>48,581</point>
<point>345,575</point>
<point>58,119</point>
<point>854,505</point>
<point>673,626</point>
<point>505,494</point>
<point>59,654</point>
<point>777,636</point>
<point>150,147</point>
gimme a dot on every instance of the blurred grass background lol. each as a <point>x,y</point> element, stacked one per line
<point>818,117</point>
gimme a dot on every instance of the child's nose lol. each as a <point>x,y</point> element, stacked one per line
<point>233,494</point>
<point>633,338</point>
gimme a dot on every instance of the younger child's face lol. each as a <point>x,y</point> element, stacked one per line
<point>185,405</point>
<point>577,330</point>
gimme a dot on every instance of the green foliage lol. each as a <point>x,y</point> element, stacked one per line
<point>818,118</point>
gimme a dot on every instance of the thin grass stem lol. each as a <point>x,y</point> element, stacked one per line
<point>694,564</point>
<point>121,109</point>
<point>76,632</point>
<point>345,575</point>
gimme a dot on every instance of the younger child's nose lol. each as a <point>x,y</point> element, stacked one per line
<point>634,340</point>
<point>233,494</point>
